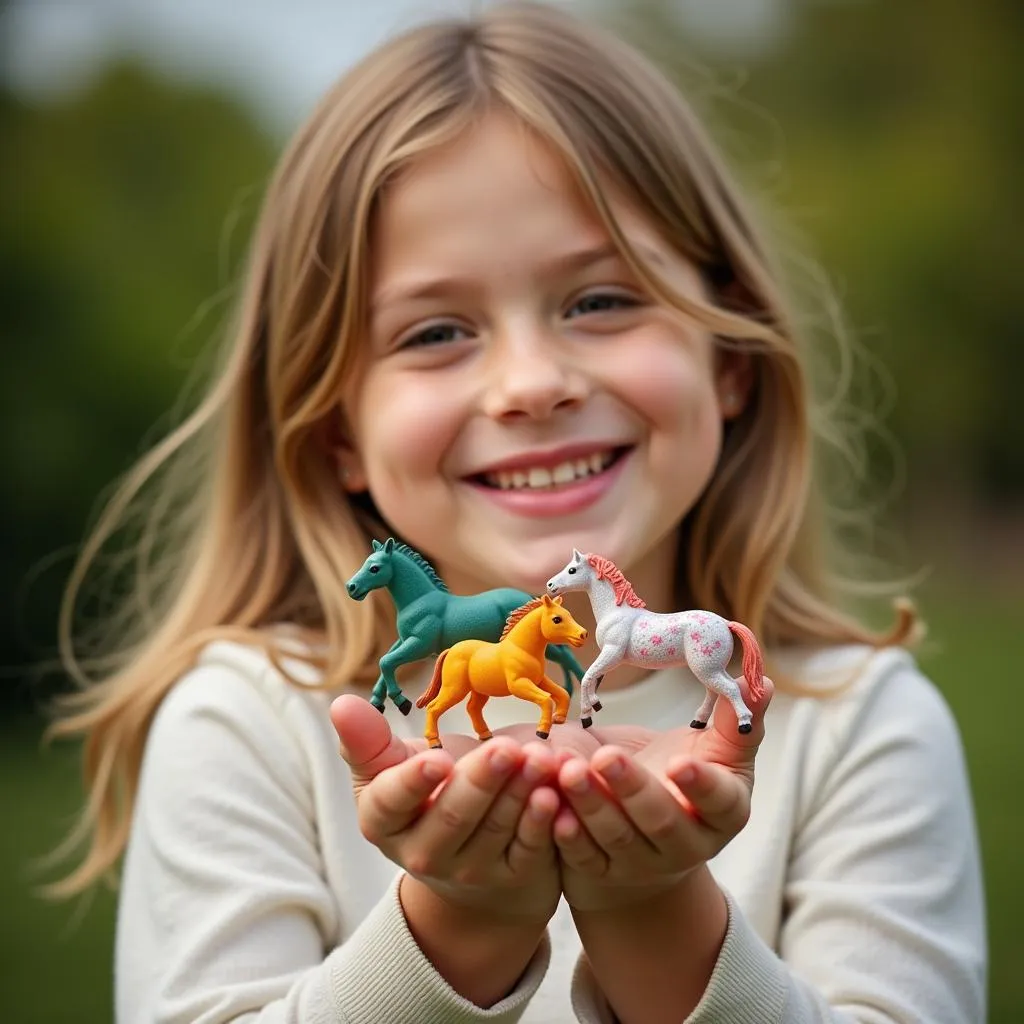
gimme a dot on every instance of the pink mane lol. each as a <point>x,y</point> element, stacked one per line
<point>607,570</point>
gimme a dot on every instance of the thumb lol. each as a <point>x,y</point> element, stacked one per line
<point>367,743</point>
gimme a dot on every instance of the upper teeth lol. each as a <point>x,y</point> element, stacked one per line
<point>541,476</point>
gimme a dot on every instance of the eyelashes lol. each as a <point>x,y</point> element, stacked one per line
<point>595,304</point>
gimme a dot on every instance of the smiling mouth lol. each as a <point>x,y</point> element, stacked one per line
<point>547,478</point>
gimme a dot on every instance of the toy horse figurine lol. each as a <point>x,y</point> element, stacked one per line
<point>431,619</point>
<point>627,632</point>
<point>514,666</point>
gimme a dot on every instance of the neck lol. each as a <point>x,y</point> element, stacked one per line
<point>409,582</point>
<point>526,633</point>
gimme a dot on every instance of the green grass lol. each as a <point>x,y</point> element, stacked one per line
<point>57,958</point>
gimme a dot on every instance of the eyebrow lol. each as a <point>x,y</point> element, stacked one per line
<point>569,262</point>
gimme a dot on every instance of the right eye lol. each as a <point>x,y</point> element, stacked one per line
<point>572,572</point>
<point>374,568</point>
<point>434,334</point>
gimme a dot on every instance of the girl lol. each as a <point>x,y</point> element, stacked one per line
<point>502,302</point>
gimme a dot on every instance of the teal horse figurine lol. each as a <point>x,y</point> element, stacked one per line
<point>430,619</point>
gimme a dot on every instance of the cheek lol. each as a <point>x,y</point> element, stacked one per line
<point>404,427</point>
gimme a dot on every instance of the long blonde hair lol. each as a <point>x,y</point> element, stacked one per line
<point>243,522</point>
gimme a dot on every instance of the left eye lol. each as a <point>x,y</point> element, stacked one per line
<point>556,619</point>
<point>374,568</point>
<point>600,302</point>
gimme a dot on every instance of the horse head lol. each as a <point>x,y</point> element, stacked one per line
<point>557,625</point>
<point>576,575</point>
<point>374,573</point>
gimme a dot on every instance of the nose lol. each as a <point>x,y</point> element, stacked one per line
<point>532,376</point>
<point>350,587</point>
<point>551,586</point>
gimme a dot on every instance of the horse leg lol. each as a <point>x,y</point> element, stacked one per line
<point>475,710</point>
<point>403,651</point>
<point>722,683</point>
<point>561,655</point>
<point>454,687</point>
<point>703,713</point>
<point>607,658</point>
<point>379,694</point>
<point>559,696</point>
<point>527,689</point>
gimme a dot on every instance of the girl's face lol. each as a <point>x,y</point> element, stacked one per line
<point>521,395</point>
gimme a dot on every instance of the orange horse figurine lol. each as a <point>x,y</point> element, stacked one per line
<point>514,666</point>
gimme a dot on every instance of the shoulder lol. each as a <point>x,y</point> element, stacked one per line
<point>851,684</point>
<point>235,696</point>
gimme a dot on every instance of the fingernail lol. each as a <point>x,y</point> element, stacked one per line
<point>614,769</point>
<point>501,761</point>
<point>432,771</point>
<point>533,772</point>
<point>687,775</point>
<point>578,784</point>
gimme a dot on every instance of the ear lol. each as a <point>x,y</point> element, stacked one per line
<point>734,382</point>
<point>389,545</point>
<point>576,556</point>
<point>376,544</point>
<point>556,600</point>
<point>336,440</point>
<point>546,600</point>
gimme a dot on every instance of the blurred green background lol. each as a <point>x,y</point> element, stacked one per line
<point>889,135</point>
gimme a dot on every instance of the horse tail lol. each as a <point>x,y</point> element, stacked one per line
<point>435,683</point>
<point>753,661</point>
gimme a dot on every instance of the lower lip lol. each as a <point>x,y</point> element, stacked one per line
<point>558,501</point>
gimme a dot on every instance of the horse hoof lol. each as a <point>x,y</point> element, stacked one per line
<point>586,722</point>
<point>405,705</point>
<point>379,707</point>
<point>558,721</point>
<point>542,734</point>
<point>597,705</point>
<point>745,727</point>
<point>486,736</point>
<point>697,724</point>
<point>436,745</point>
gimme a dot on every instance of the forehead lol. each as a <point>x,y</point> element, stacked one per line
<point>498,188</point>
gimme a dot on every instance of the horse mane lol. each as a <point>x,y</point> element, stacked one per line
<point>606,569</point>
<point>419,560</point>
<point>518,614</point>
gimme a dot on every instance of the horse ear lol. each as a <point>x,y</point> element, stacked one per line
<point>546,600</point>
<point>376,544</point>
<point>576,556</point>
<point>557,600</point>
<point>389,545</point>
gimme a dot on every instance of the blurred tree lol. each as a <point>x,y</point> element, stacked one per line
<point>123,215</point>
<point>891,135</point>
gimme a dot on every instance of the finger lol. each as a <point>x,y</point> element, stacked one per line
<point>576,847</point>
<point>533,844</point>
<point>395,798</point>
<point>726,723</point>
<point>498,827</point>
<point>367,743</point>
<point>597,809</point>
<point>652,809</point>
<point>468,795</point>
<point>719,797</point>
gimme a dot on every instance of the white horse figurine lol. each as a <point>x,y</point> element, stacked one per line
<point>627,632</point>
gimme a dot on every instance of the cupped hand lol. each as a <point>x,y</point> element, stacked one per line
<point>473,821</point>
<point>648,807</point>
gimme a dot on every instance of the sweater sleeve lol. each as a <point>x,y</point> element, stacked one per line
<point>225,913</point>
<point>883,919</point>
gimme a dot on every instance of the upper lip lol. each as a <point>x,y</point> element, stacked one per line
<point>548,457</point>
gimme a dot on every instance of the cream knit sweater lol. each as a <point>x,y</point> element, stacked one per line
<point>250,895</point>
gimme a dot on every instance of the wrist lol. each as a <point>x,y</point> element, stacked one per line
<point>480,952</point>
